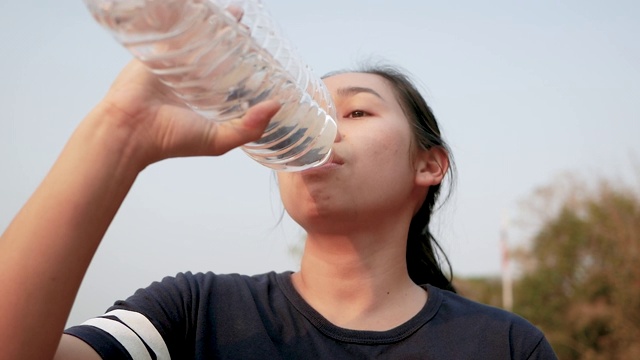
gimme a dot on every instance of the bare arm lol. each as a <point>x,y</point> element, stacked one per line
<point>72,348</point>
<point>45,251</point>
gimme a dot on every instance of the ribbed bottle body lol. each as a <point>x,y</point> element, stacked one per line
<point>221,57</point>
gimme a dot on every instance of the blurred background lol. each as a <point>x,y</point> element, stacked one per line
<point>539,102</point>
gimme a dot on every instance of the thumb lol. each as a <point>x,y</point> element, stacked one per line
<point>248,128</point>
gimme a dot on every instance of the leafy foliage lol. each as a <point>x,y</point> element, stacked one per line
<point>580,279</point>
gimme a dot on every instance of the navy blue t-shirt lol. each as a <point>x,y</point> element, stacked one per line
<point>209,316</point>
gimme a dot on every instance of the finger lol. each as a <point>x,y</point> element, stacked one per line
<point>249,128</point>
<point>236,11</point>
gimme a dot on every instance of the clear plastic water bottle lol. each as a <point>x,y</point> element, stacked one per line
<point>223,56</point>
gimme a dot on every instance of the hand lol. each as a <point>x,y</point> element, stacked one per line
<point>59,229</point>
<point>159,126</point>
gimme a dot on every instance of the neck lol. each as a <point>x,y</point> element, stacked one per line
<point>359,280</point>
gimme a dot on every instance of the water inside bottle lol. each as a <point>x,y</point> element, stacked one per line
<point>217,68</point>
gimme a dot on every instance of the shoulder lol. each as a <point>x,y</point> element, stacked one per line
<point>189,282</point>
<point>489,326</point>
<point>454,306</point>
<point>189,290</point>
<point>172,315</point>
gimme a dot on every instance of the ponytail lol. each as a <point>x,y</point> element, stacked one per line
<point>422,248</point>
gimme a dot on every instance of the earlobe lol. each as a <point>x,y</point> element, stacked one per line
<point>431,166</point>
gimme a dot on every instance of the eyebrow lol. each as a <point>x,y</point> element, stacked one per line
<point>354,90</point>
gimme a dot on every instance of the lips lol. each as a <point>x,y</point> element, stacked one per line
<point>334,162</point>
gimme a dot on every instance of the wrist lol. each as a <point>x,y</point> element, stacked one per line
<point>113,136</point>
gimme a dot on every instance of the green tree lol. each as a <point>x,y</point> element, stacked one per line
<point>580,280</point>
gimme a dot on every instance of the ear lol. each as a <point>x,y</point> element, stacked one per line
<point>431,166</point>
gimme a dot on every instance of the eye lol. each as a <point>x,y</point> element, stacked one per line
<point>357,114</point>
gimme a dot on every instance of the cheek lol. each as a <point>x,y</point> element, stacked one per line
<point>391,145</point>
<point>393,161</point>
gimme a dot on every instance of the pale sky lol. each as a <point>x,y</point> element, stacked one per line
<point>523,92</point>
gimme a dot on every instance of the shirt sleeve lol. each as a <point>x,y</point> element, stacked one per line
<point>151,324</point>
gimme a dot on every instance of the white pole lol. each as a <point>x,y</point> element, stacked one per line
<point>507,283</point>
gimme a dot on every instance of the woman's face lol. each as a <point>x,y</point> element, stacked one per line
<point>372,175</point>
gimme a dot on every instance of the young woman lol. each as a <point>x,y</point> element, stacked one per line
<point>369,285</point>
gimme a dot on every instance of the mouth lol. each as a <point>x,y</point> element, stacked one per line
<point>333,162</point>
<point>335,159</point>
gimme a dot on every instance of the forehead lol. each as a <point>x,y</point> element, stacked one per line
<point>339,82</point>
